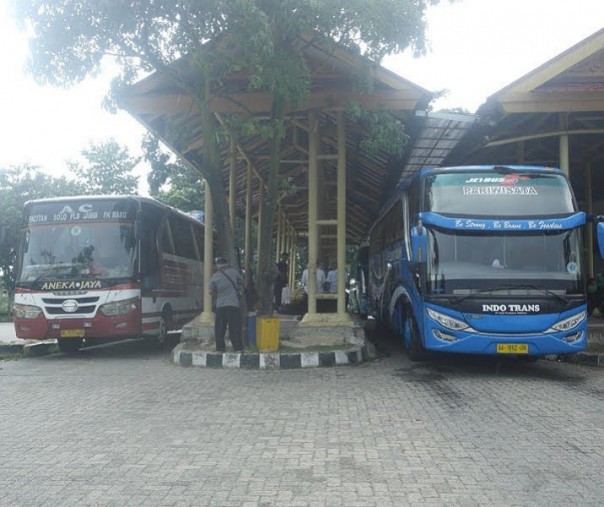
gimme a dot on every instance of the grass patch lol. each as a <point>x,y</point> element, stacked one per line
<point>29,352</point>
<point>11,357</point>
<point>51,348</point>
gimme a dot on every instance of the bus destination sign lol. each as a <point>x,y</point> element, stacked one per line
<point>83,211</point>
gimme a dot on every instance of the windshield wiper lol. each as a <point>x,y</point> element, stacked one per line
<point>544,289</point>
<point>55,270</point>
<point>512,287</point>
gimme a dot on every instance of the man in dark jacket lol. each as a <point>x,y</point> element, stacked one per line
<point>281,278</point>
<point>226,288</point>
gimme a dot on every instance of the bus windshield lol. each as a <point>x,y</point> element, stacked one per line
<point>63,251</point>
<point>459,261</point>
<point>498,194</point>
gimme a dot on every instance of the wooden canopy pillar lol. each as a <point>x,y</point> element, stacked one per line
<point>564,155</point>
<point>340,317</point>
<point>590,210</point>
<point>341,215</point>
<point>207,315</point>
<point>313,232</point>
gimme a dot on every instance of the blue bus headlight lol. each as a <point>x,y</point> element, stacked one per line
<point>118,307</point>
<point>446,321</point>
<point>569,323</point>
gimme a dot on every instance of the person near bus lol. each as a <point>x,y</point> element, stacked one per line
<point>304,283</point>
<point>226,288</point>
<point>320,280</point>
<point>332,280</point>
<point>281,278</point>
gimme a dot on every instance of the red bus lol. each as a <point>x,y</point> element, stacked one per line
<point>106,268</point>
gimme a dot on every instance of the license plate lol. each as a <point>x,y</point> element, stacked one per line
<point>72,333</point>
<point>512,348</point>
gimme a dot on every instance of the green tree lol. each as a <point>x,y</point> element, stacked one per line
<point>17,186</point>
<point>172,182</point>
<point>108,169</point>
<point>264,38</point>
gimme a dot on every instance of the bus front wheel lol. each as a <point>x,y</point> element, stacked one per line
<point>415,347</point>
<point>162,333</point>
<point>69,345</point>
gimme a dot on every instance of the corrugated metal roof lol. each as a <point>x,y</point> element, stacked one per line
<point>438,135</point>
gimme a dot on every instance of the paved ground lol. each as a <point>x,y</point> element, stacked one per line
<point>121,425</point>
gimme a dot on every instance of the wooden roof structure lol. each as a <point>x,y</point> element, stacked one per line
<point>160,105</point>
<point>525,121</point>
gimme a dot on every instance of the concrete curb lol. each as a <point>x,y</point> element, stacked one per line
<point>270,360</point>
<point>40,349</point>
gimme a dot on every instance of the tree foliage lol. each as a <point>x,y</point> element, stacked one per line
<point>107,169</point>
<point>17,186</point>
<point>172,182</point>
<point>264,39</point>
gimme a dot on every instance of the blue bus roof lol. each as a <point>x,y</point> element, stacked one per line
<point>471,168</point>
<point>404,183</point>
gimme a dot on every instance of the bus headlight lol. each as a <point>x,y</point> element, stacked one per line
<point>570,323</point>
<point>26,311</point>
<point>446,321</point>
<point>118,307</point>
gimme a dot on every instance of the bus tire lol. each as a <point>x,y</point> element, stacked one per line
<point>162,332</point>
<point>415,349</point>
<point>69,345</point>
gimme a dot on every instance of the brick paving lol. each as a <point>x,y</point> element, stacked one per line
<point>122,425</point>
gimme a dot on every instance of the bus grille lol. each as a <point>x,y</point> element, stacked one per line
<point>54,306</point>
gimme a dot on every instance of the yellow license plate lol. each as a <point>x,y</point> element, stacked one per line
<point>72,333</point>
<point>512,348</point>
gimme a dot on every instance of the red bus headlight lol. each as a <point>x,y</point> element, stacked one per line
<point>26,311</point>
<point>118,307</point>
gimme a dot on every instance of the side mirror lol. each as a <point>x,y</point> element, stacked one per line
<point>600,235</point>
<point>419,243</point>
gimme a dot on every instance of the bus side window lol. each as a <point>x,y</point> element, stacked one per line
<point>149,248</point>
<point>165,239</point>
<point>149,263</point>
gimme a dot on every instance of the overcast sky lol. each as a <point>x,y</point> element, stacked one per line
<point>476,48</point>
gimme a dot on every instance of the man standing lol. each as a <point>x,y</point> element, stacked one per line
<point>332,280</point>
<point>226,288</point>
<point>320,280</point>
<point>281,278</point>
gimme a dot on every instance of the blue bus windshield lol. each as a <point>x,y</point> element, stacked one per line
<point>461,261</point>
<point>493,194</point>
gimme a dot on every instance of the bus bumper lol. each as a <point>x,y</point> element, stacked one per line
<point>99,326</point>
<point>521,344</point>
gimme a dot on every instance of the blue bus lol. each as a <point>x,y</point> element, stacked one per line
<point>481,260</point>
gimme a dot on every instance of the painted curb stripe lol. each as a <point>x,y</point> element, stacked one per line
<point>269,360</point>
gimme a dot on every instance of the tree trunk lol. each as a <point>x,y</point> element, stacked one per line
<point>212,171</point>
<point>266,262</point>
